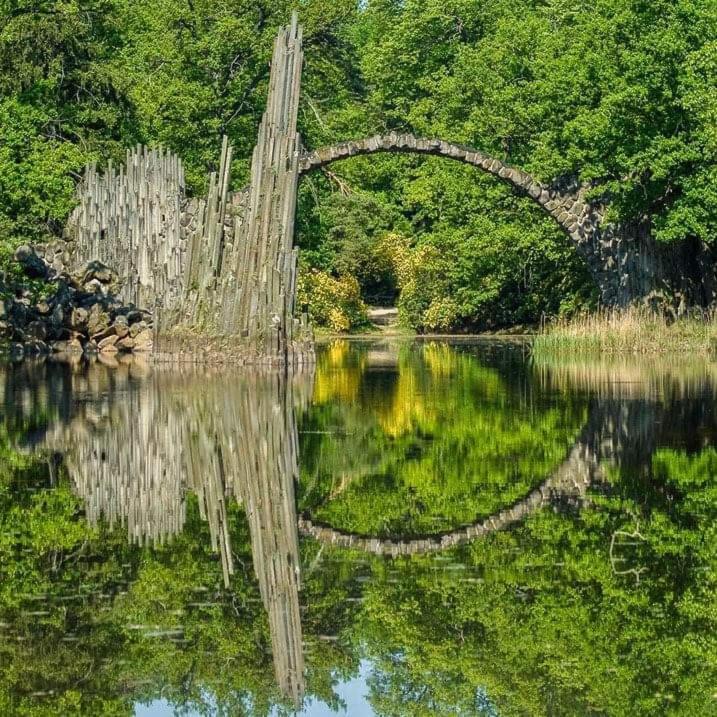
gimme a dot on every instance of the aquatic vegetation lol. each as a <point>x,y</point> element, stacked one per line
<point>634,330</point>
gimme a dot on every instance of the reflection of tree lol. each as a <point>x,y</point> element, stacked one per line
<point>103,627</point>
<point>430,443</point>
<point>528,621</point>
<point>538,620</point>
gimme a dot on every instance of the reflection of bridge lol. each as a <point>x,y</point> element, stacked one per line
<point>571,480</point>
<point>135,443</point>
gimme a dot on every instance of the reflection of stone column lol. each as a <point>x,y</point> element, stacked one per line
<point>266,487</point>
<point>134,448</point>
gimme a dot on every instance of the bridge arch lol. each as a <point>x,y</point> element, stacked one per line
<point>579,219</point>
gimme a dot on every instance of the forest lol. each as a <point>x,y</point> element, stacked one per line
<point>617,94</point>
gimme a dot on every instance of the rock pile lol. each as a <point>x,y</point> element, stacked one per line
<point>79,311</point>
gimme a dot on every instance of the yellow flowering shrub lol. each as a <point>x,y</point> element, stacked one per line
<point>335,303</point>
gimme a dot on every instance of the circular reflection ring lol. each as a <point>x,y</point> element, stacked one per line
<point>571,478</point>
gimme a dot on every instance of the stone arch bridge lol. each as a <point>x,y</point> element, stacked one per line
<point>224,266</point>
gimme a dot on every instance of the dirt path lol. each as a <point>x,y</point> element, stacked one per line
<point>385,318</point>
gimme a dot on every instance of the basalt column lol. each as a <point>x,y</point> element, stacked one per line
<point>129,218</point>
<point>218,273</point>
<point>261,312</point>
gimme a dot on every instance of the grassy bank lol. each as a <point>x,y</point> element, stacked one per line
<point>633,330</point>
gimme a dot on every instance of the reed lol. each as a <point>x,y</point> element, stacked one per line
<point>633,330</point>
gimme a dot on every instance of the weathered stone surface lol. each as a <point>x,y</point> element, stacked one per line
<point>127,343</point>
<point>121,326</point>
<point>137,328</point>
<point>106,342</point>
<point>72,346</point>
<point>94,286</point>
<point>97,320</point>
<point>143,341</point>
<point>97,270</point>
<point>71,319</point>
<point>78,319</point>
<point>134,316</point>
<point>36,347</point>
<point>37,330</point>
<point>57,316</point>
<point>32,265</point>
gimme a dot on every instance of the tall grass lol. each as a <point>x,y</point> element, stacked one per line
<point>633,330</point>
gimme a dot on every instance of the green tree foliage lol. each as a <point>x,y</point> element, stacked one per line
<point>58,107</point>
<point>613,92</point>
<point>617,94</point>
<point>332,302</point>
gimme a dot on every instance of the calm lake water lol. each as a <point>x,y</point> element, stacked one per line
<point>417,528</point>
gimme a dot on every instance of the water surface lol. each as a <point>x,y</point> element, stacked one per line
<point>428,528</point>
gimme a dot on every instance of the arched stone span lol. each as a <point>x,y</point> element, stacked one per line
<point>570,480</point>
<point>578,218</point>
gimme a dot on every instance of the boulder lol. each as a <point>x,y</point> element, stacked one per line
<point>135,315</point>
<point>71,346</point>
<point>57,316</point>
<point>143,341</point>
<point>121,326</point>
<point>79,314</point>
<point>36,330</point>
<point>100,336</point>
<point>137,328</point>
<point>97,271</point>
<point>32,265</point>
<point>107,344</point>
<point>97,320</point>
<point>78,319</point>
<point>93,286</point>
<point>36,347</point>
